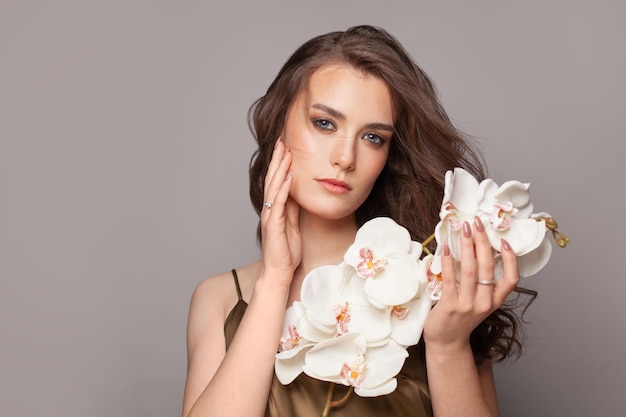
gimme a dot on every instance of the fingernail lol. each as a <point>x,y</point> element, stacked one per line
<point>467,230</point>
<point>478,224</point>
<point>505,245</point>
<point>446,249</point>
<point>288,175</point>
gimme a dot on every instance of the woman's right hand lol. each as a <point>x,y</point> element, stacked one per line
<point>281,247</point>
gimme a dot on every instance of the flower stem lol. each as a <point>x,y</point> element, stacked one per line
<point>343,399</point>
<point>330,404</point>
<point>427,242</point>
<point>560,238</point>
<point>329,400</point>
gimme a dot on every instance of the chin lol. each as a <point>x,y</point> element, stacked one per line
<point>329,213</point>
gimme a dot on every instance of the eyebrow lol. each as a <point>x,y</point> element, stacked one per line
<point>339,115</point>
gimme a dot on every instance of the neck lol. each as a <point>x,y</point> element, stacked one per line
<point>324,241</point>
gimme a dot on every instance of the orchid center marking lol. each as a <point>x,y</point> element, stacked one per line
<point>399,312</point>
<point>370,265</point>
<point>292,341</point>
<point>501,213</point>
<point>435,284</point>
<point>354,374</point>
<point>343,318</point>
<point>451,215</point>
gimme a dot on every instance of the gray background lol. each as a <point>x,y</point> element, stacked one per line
<point>123,180</point>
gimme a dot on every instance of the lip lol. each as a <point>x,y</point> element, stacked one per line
<point>334,186</point>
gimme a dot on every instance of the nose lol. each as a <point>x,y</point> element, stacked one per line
<point>343,154</point>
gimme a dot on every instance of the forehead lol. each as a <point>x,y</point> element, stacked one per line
<point>350,91</point>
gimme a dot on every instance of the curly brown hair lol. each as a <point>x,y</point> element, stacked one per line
<point>425,145</point>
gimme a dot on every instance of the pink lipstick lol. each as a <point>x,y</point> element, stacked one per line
<point>334,186</point>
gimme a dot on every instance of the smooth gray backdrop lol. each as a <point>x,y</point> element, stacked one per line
<point>123,180</point>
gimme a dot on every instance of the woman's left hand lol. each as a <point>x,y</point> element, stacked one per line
<point>467,300</point>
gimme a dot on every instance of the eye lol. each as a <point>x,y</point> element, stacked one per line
<point>324,124</point>
<point>374,138</point>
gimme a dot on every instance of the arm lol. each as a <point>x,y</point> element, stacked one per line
<point>458,387</point>
<point>237,382</point>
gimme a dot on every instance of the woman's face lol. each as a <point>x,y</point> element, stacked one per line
<point>338,129</point>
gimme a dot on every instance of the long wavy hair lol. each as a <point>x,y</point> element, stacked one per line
<point>424,146</point>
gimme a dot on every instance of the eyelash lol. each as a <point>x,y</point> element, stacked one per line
<point>318,124</point>
<point>327,125</point>
<point>377,140</point>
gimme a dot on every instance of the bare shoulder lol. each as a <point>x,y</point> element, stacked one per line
<point>247,278</point>
<point>217,294</point>
<point>211,302</point>
<point>213,294</point>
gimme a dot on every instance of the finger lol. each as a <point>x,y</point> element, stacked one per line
<point>510,276</point>
<point>283,174</point>
<point>277,156</point>
<point>485,265</point>
<point>448,275</point>
<point>467,285</point>
<point>292,212</point>
<point>278,190</point>
<point>484,253</point>
<point>278,176</point>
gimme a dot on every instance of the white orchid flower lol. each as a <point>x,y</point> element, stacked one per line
<point>347,360</point>
<point>292,346</point>
<point>460,204</point>
<point>354,320</point>
<point>335,302</point>
<point>528,264</point>
<point>508,209</point>
<point>506,212</point>
<point>407,320</point>
<point>434,288</point>
<point>386,257</point>
<point>531,262</point>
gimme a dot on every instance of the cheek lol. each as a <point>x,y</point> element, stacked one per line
<point>302,146</point>
<point>302,166</point>
<point>296,131</point>
<point>376,165</point>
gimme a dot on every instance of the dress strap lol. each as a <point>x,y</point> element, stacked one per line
<point>237,284</point>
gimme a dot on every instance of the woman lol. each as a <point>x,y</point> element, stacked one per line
<point>351,129</point>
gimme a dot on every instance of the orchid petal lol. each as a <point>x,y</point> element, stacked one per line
<point>398,284</point>
<point>375,242</point>
<point>461,188</point>
<point>323,289</point>
<point>445,234</point>
<point>383,364</point>
<point>311,332</point>
<point>374,324</point>
<point>524,235</point>
<point>326,359</point>
<point>289,364</point>
<point>517,193</point>
<point>407,331</point>
<point>387,387</point>
<point>532,262</point>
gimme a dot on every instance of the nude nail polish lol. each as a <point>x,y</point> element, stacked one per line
<point>467,230</point>
<point>478,224</point>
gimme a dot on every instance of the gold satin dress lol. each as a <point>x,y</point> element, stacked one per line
<point>306,396</point>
